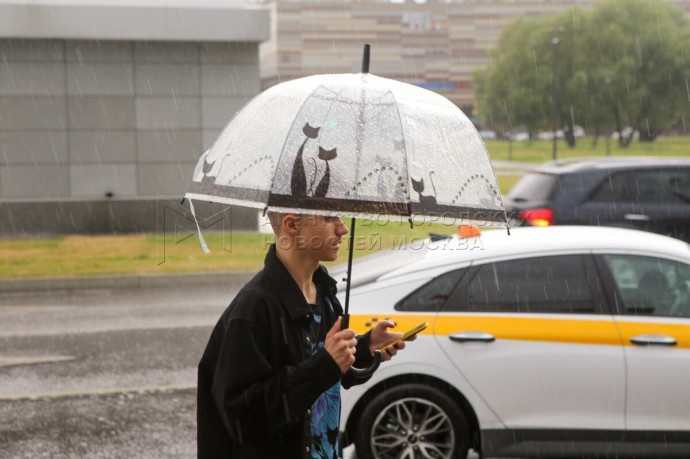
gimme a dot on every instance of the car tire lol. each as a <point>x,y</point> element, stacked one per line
<point>415,421</point>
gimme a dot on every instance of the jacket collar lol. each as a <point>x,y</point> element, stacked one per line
<point>287,288</point>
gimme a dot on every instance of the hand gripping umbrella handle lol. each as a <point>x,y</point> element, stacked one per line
<point>362,373</point>
<point>365,373</point>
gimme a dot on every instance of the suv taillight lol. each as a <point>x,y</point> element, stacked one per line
<point>537,217</point>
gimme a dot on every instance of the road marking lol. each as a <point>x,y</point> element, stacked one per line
<point>28,309</point>
<point>6,361</point>
<point>92,328</point>
<point>103,391</point>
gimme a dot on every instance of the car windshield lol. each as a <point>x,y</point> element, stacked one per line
<point>368,269</point>
<point>533,186</point>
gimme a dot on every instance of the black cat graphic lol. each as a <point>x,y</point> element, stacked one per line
<point>298,182</point>
<point>325,181</point>
<point>427,202</point>
<point>206,168</point>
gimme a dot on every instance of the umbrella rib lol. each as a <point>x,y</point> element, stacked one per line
<point>404,151</point>
<point>376,115</point>
<point>373,104</point>
<point>349,103</point>
<point>282,150</point>
<point>337,98</point>
<point>332,101</point>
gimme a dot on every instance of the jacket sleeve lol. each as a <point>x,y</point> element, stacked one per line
<point>255,399</point>
<point>363,359</point>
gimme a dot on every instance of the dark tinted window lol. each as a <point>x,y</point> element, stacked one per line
<point>533,186</point>
<point>668,186</point>
<point>557,284</point>
<point>432,295</point>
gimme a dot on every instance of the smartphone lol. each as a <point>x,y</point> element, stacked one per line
<point>405,335</point>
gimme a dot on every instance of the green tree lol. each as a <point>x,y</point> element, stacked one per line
<point>639,48</point>
<point>622,63</point>
<point>505,89</point>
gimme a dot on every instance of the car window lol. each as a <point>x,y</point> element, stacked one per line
<point>651,286</point>
<point>533,186</point>
<point>555,284</point>
<point>431,296</point>
<point>669,186</point>
<point>368,269</point>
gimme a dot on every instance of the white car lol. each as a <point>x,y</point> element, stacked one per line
<point>550,342</point>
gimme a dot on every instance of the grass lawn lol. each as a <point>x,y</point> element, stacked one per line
<point>157,253</point>
<point>506,182</point>
<point>539,151</point>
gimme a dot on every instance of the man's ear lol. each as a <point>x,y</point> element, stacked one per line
<point>290,223</point>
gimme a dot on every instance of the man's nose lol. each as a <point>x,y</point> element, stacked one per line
<point>342,229</point>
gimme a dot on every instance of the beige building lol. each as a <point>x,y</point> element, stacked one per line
<point>434,44</point>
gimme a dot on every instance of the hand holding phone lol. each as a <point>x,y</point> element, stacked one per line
<point>408,334</point>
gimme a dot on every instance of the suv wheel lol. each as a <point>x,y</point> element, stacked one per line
<point>412,421</point>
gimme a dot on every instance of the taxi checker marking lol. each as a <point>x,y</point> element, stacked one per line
<point>559,330</point>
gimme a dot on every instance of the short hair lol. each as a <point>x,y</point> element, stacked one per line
<point>276,221</point>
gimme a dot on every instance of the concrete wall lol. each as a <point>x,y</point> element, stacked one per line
<point>120,216</point>
<point>106,129</point>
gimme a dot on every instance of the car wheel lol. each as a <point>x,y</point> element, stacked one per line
<point>412,421</point>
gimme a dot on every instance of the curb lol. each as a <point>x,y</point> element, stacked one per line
<point>229,279</point>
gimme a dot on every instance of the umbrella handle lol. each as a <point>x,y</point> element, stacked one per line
<point>362,373</point>
<point>365,373</point>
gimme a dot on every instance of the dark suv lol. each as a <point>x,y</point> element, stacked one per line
<point>651,194</point>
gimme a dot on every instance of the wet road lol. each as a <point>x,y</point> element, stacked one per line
<point>103,373</point>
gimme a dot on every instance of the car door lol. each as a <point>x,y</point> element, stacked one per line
<point>653,315</point>
<point>535,338</point>
<point>656,200</point>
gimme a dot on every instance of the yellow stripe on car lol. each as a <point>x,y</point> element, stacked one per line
<point>362,323</point>
<point>558,330</point>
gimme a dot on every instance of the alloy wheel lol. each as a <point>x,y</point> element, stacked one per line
<point>412,428</point>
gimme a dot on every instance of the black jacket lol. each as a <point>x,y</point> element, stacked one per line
<point>257,377</point>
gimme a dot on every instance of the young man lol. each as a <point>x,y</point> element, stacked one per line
<point>270,377</point>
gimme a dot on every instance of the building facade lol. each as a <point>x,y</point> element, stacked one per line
<point>106,107</point>
<point>436,44</point>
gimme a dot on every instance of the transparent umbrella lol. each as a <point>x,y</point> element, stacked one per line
<point>352,145</point>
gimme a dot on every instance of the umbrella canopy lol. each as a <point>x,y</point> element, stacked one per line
<point>352,145</point>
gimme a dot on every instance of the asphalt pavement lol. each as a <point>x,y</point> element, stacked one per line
<point>105,368</point>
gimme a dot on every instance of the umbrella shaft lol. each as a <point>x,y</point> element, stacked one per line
<point>346,315</point>
<point>365,58</point>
